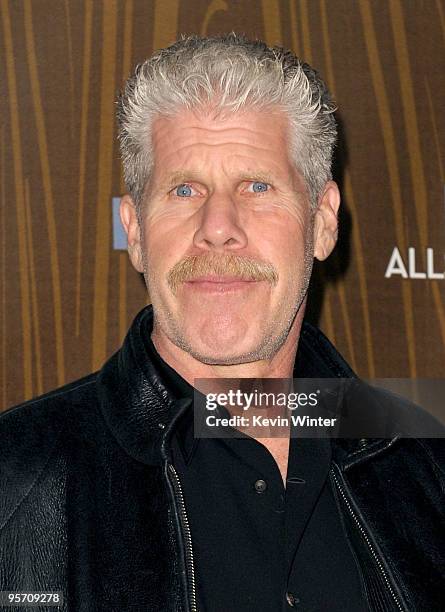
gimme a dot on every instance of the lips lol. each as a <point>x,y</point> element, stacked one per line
<point>220,279</point>
<point>219,284</point>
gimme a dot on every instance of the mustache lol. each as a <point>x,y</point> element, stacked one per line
<point>247,268</point>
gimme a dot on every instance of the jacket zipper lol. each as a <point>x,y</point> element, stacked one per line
<point>365,536</point>
<point>191,583</point>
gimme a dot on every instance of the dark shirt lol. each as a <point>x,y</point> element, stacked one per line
<point>257,545</point>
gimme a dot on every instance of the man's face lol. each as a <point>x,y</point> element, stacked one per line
<point>227,235</point>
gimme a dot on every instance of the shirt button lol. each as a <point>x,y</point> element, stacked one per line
<point>260,486</point>
<point>291,599</point>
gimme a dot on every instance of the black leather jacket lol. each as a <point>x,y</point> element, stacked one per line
<point>91,505</point>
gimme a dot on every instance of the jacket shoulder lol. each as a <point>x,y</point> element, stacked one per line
<point>29,434</point>
<point>375,420</point>
<point>50,405</point>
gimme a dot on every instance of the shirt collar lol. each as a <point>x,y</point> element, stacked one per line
<point>179,388</point>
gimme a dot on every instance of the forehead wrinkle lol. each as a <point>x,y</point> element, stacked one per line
<point>246,150</point>
<point>257,146</point>
<point>248,145</point>
<point>235,121</point>
<point>239,129</point>
<point>244,134</point>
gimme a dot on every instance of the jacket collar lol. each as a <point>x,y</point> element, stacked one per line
<point>142,414</point>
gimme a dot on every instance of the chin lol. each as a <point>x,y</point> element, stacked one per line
<point>226,339</point>
<point>235,353</point>
<point>220,359</point>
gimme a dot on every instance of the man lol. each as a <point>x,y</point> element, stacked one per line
<point>107,496</point>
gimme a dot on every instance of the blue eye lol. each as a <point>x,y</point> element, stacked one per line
<point>184,191</point>
<point>259,187</point>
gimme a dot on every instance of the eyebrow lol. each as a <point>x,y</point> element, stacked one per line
<point>258,175</point>
<point>181,176</point>
<point>177,178</point>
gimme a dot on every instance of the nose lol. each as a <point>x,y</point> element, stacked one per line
<point>219,225</point>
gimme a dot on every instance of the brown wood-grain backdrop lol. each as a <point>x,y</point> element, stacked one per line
<point>67,298</point>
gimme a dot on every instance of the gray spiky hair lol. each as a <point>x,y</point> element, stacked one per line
<point>230,73</point>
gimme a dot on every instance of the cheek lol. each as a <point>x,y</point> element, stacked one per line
<point>154,252</point>
<point>164,247</point>
<point>288,241</point>
<point>159,240</point>
<point>291,257</point>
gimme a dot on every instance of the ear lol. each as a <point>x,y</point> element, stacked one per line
<point>326,221</point>
<point>129,219</point>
